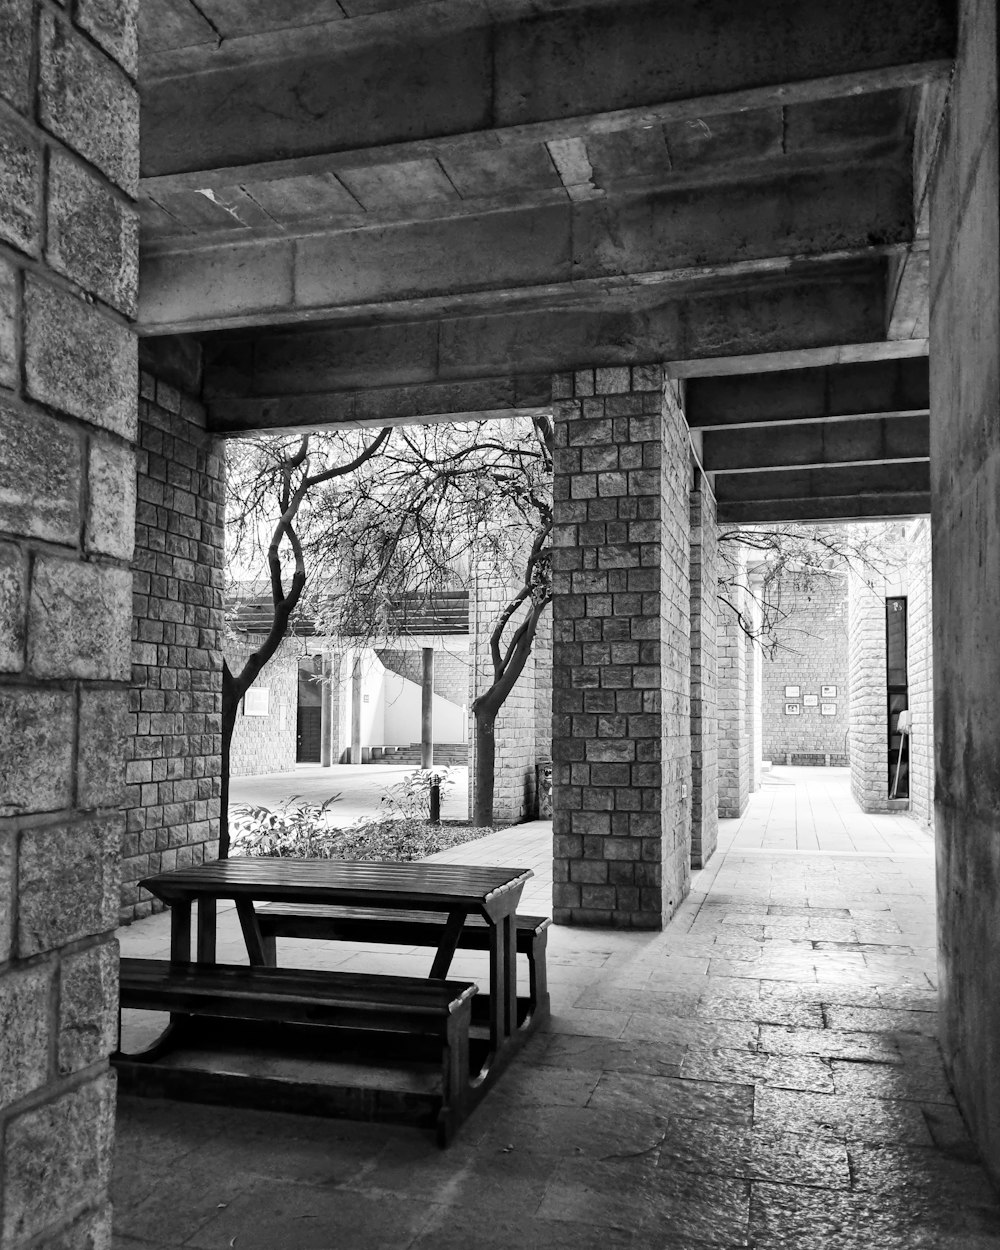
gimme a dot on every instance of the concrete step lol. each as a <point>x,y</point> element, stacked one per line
<point>446,754</point>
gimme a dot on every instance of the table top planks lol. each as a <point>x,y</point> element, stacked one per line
<point>419,886</point>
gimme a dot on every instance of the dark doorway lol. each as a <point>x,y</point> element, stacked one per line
<point>897,696</point>
<point>308,739</point>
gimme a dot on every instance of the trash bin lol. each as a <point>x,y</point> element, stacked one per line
<point>543,791</point>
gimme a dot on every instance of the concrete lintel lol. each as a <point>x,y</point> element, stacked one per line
<point>659,236</point>
<point>572,131</point>
<point>850,389</point>
<point>874,440</point>
<point>901,477</point>
<point>798,358</point>
<point>844,304</point>
<point>879,507</point>
<point>337,91</point>
<point>469,401</point>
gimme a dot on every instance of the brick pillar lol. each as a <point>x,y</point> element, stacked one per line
<point>621,649</point>
<point>866,660</point>
<point>514,765</point>
<point>704,675</point>
<point>68,136</point>
<point>174,766</point>
<point>921,675</point>
<point>734,744</point>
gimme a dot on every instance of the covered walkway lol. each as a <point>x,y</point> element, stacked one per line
<point>764,1073</point>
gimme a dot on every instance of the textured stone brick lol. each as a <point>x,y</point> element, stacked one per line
<point>102,746</point>
<point>78,620</point>
<point>8,325</point>
<point>7,886</point>
<point>79,361</point>
<point>86,100</point>
<point>88,1016</point>
<point>36,750</point>
<point>12,609</point>
<point>57,1158</point>
<point>93,234</point>
<point>112,24</point>
<point>111,510</point>
<point>67,883</point>
<point>20,165</point>
<point>24,1039</point>
<point>41,466</point>
<point>15,53</point>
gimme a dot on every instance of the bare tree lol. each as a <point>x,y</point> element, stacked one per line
<point>444,501</point>
<point>403,518</point>
<point>761,564</point>
<point>268,476</point>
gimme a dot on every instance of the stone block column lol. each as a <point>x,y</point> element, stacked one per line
<point>866,653</point>
<point>173,772</point>
<point>734,706</point>
<point>514,729</point>
<point>68,256</point>
<point>621,649</point>
<point>704,674</point>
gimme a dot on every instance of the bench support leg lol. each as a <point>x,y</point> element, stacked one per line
<point>251,933</point>
<point>448,944</point>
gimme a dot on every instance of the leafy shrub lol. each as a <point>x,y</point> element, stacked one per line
<point>302,830</point>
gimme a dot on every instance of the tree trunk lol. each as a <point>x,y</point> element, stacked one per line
<point>231,695</point>
<point>482,793</point>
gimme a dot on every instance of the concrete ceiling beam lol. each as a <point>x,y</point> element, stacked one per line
<point>877,440</point>
<point>808,307</point>
<point>501,254</point>
<point>480,399</point>
<point>349,85</point>
<point>831,481</point>
<point>877,507</point>
<point>830,392</point>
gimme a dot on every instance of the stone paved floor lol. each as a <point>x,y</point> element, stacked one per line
<point>764,1074</point>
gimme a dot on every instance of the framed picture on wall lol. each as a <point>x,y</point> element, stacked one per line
<point>811,700</point>
<point>828,692</point>
<point>828,709</point>
<point>256,701</point>
<point>791,692</point>
<point>793,709</point>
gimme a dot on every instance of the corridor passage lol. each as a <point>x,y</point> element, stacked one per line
<point>764,1073</point>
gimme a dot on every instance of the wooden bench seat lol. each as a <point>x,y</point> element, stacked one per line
<point>356,1003</point>
<point>406,928</point>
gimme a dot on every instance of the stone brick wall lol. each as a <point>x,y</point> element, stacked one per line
<point>866,624</point>
<point>266,744</point>
<point>621,652</point>
<point>514,765</point>
<point>921,674</point>
<point>734,743</point>
<point>172,795</point>
<point>812,652</point>
<point>704,676</point>
<point>68,169</point>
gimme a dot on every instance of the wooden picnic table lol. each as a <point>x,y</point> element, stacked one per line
<point>456,890</point>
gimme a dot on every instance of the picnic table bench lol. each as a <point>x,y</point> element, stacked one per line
<point>411,928</point>
<point>343,1001</point>
<point>317,1015</point>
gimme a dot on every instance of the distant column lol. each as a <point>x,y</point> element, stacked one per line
<point>427,709</point>
<point>356,709</point>
<point>326,714</point>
